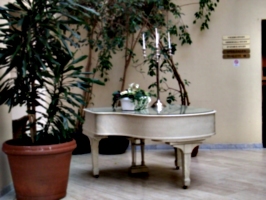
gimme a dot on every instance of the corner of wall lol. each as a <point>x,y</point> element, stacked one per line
<point>5,134</point>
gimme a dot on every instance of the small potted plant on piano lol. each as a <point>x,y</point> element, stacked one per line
<point>133,98</point>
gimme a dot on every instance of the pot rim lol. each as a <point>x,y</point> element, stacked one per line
<point>38,149</point>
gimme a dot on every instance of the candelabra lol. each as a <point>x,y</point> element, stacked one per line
<point>157,104</point>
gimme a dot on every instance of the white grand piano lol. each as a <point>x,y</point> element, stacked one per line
<point>183,127</point>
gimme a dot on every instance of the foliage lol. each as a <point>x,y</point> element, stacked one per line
<point>35,37</point>
<point>205,9</point>
<point>119,27</point>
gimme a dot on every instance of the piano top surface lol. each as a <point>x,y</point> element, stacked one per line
<point>173,123</point>
<point>169,110</point>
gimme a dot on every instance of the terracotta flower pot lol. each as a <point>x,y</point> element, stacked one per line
<point>39,172</point>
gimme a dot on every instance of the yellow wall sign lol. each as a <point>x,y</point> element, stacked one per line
<point>231,56</point>
<point>233,42</point>
<point>236,37</point>
<point>236,46</point>
<point>236,51</point>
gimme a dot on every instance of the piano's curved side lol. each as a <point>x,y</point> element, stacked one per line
<point>185,127</point>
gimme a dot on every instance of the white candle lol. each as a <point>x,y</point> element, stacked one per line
<point>143,39</point>
<point>156,38</point>
<point>169,41</point>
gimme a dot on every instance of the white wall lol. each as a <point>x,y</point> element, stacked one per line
<point>5,134</point>
<point>235,92</point>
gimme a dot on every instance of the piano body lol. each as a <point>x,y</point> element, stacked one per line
<point>183,127</point>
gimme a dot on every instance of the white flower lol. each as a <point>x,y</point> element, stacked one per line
<point>123,92</point>
<point>131,85</point>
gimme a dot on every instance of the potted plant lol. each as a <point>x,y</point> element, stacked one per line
<point>35,39</point>
<point>133,98</point>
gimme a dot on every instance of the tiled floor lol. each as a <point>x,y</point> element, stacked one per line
<point>215,175</point>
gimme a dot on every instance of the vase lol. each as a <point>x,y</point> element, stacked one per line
<point>129,104</point>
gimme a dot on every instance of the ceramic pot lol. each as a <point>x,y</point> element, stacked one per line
<point>39,172</point>
<point>127,104</point>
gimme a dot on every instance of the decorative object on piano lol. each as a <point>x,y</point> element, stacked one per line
<point>132,98</point>
<point>35,46</point>
<point>157,55</point>
<point>128,104</point>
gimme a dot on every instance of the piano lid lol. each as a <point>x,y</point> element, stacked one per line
<point>169,110</point>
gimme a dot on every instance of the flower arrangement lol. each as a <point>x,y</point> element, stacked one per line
<point>137,96</point>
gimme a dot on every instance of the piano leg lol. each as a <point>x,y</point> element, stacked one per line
<point>133,151</point>
<point>142,145</point>
<point>178,157</point>
<point>186,157</point>
<point>94,155</point>
<point>134,167</point>
<point>186,150</point>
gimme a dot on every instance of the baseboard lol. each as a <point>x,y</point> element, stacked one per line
<point>231,146</point>
<point>6,190</point>
<point>204,146</point>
